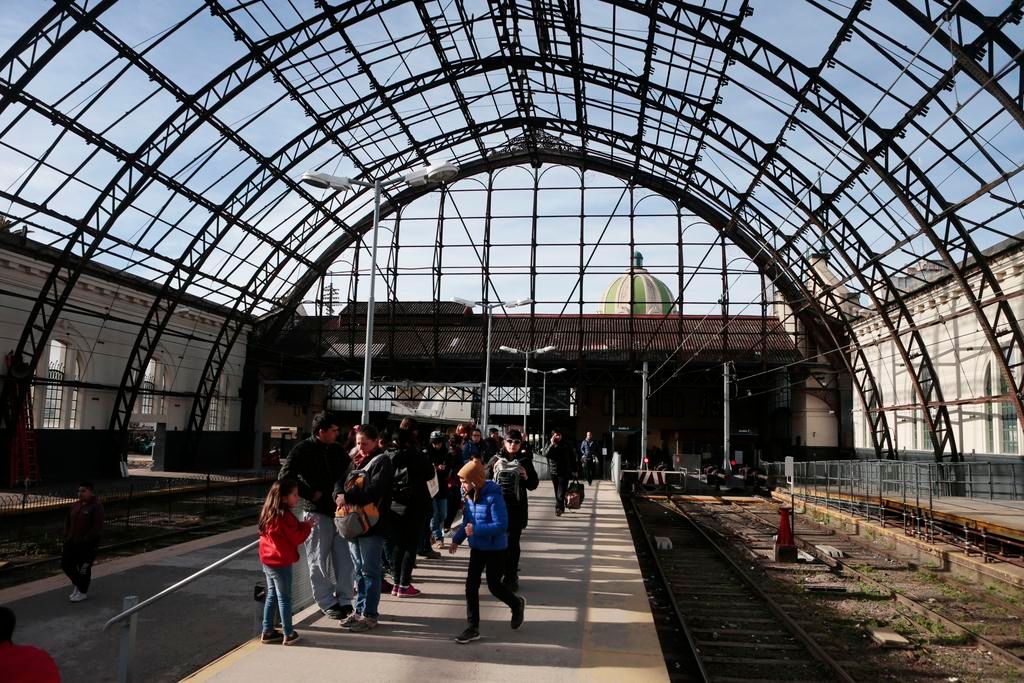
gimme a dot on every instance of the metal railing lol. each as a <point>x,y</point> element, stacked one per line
<point>132,607</point>
<point>915,482</point>
<point>32,523</point>
<point>911,494</point>
<point>302,597</point>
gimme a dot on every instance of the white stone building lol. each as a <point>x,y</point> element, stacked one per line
<point>965,365</point>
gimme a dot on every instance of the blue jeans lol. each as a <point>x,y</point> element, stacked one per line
<point>366,561</point>
<point>279,592</point>
<point>437,521</point>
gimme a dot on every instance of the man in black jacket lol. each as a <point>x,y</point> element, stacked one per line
<point>317,463</point>
<point>561,466</point>
<point>512,468</point>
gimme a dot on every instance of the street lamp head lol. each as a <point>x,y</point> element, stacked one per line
<point>326,181</point>
<point>545,349</point>
<point>520,302</point>
<point>508,349</point>
<point>465,302</point>
<point>557,370</point>
<point>533,370</point>
<point>436,172</point>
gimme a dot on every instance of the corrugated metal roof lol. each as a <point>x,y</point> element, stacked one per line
<point>603,337</point>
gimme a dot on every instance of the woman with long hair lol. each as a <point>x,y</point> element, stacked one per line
<point>281,534</point>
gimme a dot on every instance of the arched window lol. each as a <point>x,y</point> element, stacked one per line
<point>990,431</point>
<point>150,402</point>
<point>53,402</point>
<point>215,412</point>
<point>1007,414</point>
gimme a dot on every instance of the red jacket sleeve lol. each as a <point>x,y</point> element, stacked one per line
<point>297,532</point>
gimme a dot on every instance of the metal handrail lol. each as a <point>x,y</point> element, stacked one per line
<point>181,584</point>
<point>133,606</point>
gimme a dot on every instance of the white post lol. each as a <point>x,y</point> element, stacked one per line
<point>485,399</point>
<point>127,651</point>
<point>526,391</point>
<point>643,415</point>
<point>726,465</point>
<point>370,305</point>
<point>544,409</point>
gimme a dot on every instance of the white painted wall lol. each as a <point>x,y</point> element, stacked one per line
<point>102,345</point>
<point>960,353</point>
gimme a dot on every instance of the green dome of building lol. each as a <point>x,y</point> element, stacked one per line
<point>648,294</point>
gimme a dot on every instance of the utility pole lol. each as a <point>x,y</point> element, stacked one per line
<point>726,464</point>
<point>643,414</point>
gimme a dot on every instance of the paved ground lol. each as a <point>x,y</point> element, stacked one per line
<point>175,636</point>
<point>587,617</point>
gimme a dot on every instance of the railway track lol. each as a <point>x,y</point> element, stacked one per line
<point>887,576</point>
<point>734,630</point>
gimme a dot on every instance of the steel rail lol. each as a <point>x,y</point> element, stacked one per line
<point>676,607</point>
<point>794,628</point>
<point>906,601</point>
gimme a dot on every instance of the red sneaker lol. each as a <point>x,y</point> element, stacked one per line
<point>408,592</point>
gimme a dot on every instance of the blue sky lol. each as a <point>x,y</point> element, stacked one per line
<point>185,42</point>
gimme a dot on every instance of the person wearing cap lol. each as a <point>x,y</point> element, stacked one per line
<point>561,465</point>
<point>444,464</point>
<point>485,524</point>
<point>516,499</point>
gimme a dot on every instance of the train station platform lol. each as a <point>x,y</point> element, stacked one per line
<point>587,616</point>
<point>1003,518</point>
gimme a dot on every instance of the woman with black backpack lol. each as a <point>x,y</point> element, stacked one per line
<point>512,469</point>
<point>410,509</point>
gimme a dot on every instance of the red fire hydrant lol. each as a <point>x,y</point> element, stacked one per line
<point>785,546</point>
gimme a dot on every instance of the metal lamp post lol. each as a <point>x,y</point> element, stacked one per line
<point>437,172</point>
<point>526,376</point>
<point>544,398</point>
<point>485,399</point>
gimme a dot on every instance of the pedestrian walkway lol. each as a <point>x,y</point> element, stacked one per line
<point>587,618</point>
<point>175,637</point>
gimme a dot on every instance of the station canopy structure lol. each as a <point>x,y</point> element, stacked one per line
<point>165,140</point>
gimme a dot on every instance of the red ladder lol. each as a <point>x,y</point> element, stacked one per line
<point>24,458</point>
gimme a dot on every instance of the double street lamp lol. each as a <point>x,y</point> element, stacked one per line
<point>437,172</point>
<point>489,307</point>
<point>526,375</point>
<point>544,398</point>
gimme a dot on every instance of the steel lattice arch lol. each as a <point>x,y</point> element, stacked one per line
<point>167,144</point>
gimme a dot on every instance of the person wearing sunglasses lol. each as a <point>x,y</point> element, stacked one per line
<point>512,469</point>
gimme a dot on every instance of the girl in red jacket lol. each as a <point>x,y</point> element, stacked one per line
<point>280,536</point>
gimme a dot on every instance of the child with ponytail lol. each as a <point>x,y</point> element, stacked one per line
<point>280,536</point>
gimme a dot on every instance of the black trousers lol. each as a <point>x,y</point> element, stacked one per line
<point>515,535</point>
<point>560,485</point>
<point>492,562</point>
<point>405,541</point>
<point>76,561</point>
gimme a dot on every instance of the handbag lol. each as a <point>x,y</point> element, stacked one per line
<point>433,487</point>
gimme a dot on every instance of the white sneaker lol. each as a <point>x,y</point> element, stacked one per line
<point>80,597</point>
<point>74,594</point>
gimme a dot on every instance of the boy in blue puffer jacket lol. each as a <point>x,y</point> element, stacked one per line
<point>485,524</point>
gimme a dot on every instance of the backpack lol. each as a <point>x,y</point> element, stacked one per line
<point>506,474</point>
<point>352,521</point>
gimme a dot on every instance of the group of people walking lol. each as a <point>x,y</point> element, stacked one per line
<point>373,505</point>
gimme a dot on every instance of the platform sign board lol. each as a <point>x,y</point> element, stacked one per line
<point>790,469</point>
